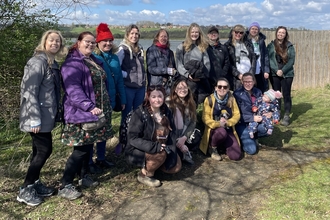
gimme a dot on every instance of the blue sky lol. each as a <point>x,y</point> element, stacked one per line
<point>311,14</point>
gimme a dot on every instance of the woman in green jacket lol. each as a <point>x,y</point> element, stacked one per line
<point>282,56</point>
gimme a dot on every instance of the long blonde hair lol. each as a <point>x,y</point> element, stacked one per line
<point>202,42</point>
<point>239,28</point>
<point>42,45</point>
<point>135,47</point>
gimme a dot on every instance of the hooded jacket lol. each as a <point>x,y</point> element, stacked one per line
<point>140,138</point>
<point>40,94</point>
<point>79,96</point>
<point>115,80</point>
<point>235,82</point>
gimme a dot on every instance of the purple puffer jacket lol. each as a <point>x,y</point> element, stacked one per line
<point>79,97</point>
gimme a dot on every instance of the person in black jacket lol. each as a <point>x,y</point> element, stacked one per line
<point>219,58</point>
<point>257,39</point>
<point>152,137</point>
<point>241,55</point>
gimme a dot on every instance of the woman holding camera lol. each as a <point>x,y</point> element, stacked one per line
<point>220,115</point>
<point>241,55</point>
<point>151,138</point>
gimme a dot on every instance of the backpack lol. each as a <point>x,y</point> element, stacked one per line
<point>124,127</point>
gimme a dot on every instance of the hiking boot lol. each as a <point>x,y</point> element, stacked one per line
<point>87,181</point>
<point>215,154</point>
<point>43,190</point>
<point>94,169</point>
<point>188,158</point>
<point>29,196</point>
<point>286,120</point>
<point>149,181</point>
<point>104,164</point>
<point>69,192</point>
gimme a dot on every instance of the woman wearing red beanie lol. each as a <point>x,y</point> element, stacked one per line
<point>105,51</point>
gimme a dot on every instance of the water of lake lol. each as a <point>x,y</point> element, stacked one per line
<point>146,43</point>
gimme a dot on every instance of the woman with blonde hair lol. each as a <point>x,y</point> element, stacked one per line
<point>131,58</point>
<point>241,55</point>
<point>40,96</point>
<point>193,62</point>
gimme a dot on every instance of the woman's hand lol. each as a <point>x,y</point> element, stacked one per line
<point>180,141</point>
<point>192,79</point>
<point>35,129</point>
<point>279,73</point>
<point>223,122</point>
<point>266,75</point>
<point>257,118</point>
<point>96,111</point>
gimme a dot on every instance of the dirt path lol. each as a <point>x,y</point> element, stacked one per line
<point>210,189</point>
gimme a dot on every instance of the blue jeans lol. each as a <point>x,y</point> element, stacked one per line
<point>249,145</point>
<point>134,98</point>
<point>100,152</point>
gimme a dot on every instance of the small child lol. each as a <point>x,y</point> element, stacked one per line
<point>267,103</point>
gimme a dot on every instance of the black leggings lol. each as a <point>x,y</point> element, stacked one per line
<point>41,150</point>
<point>77,163</point>
<point>284,85</point>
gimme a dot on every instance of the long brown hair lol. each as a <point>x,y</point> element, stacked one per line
<point>135,47</point>
<point>281,48</point>
<point>165,121</point>
<point>80,37</point>
<point>175,101</point>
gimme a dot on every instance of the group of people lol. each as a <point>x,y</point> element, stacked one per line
<point>231,80</point>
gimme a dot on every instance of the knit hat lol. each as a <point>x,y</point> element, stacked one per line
<point>254,24</point>
<point>272,95</point>
<point>213,28</point>
<point>103,33</point>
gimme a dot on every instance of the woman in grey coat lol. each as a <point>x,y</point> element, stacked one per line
<point>40,95</point>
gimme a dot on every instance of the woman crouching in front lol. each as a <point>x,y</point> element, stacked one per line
<point>151,138</point>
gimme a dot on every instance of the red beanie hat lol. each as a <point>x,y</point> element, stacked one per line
<point>103,33</point>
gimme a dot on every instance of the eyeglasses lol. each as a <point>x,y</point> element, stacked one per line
<point>222,87</point>
<point>90,42</point>
<point>239,32</point>
<point>247,82</point>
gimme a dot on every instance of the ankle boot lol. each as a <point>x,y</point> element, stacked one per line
<point>215,154</point>
<point>286,119</point>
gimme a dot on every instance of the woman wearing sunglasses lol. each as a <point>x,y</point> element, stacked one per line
<point>220,115</point>
<point>241,55</point>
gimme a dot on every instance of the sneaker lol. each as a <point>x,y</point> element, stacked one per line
<point>286,120</point>
<point>69,192</point>
<point>94,169</point>
<point>214,154</point>
<point>87,181</point>
<point>29,196</point>
<point>104,164</point>
<point>149,181</point>
<point>188,158</point>
<point>43,190</point>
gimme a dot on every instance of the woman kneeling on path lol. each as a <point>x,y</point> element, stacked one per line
<point>151,138</point>
<point>220,114</point>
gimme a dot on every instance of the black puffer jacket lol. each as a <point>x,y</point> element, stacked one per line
<point>140,138</point>
<point>236,83</point>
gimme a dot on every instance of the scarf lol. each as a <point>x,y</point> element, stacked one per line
<point>221,102</point>
<point>161,45</point>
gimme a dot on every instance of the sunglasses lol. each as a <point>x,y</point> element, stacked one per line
<point>222,87</point>
<point>239,32</point>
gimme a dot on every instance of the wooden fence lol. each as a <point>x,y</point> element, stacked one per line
<point>312,57</point>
